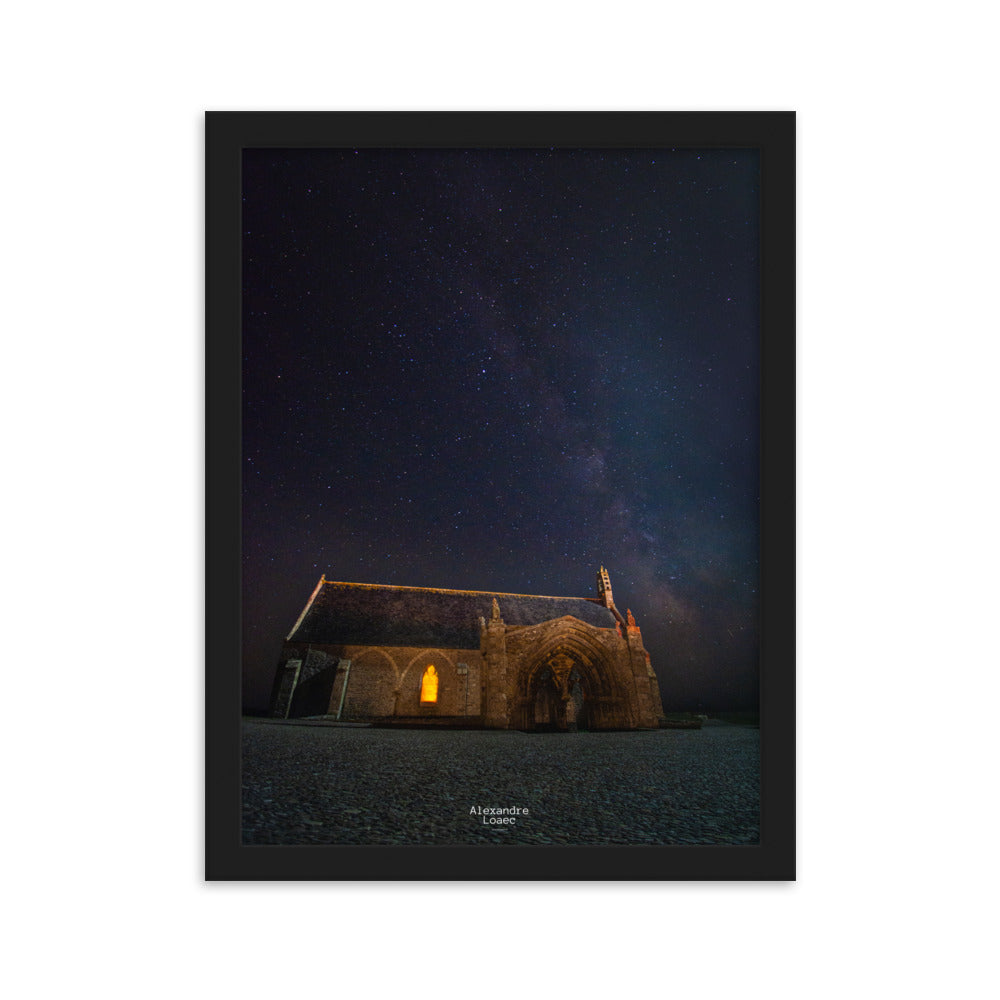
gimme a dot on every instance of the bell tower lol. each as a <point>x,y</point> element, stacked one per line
<point>604,588</point>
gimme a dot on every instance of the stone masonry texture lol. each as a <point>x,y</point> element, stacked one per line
<point>504,661</point>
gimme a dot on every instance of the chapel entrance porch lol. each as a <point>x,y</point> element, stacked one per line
<point>556,698</point>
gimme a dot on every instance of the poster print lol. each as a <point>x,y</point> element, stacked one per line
<point>503,403</point>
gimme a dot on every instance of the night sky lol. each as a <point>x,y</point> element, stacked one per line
<point>499,370</point>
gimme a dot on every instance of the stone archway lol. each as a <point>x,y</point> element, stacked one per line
<point>566,685</point>
<point>558,696</point>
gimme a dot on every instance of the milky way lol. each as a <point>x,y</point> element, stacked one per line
<point>499,370</point>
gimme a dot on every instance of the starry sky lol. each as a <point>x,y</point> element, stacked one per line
<point>499,369</point>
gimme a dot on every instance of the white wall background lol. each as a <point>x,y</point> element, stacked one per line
<point>101,406</point>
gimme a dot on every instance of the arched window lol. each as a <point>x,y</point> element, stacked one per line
<point>429,686</point>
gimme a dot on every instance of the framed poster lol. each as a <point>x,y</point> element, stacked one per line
<point>500,496</point>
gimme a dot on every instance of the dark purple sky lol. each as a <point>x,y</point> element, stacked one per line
<point>500,370</point>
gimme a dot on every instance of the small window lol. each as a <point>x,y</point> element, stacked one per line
<point>429,686</point>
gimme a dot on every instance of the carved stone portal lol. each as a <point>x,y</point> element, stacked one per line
<point>561,665</point>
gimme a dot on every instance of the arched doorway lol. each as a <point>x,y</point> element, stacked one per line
<point>557,696</point>
<point>571,675</point>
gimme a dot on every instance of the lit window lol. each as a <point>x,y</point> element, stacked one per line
<point>429,686</point>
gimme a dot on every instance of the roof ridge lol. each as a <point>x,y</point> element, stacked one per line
<point>450,590</point>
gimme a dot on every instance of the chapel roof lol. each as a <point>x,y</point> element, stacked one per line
<point>371,614</point>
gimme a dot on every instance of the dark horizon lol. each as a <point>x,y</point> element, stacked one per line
<point>498,370</point>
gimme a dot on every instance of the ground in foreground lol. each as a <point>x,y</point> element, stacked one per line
<point>347,785</point>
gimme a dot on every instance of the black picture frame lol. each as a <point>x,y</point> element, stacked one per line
<point>227,134</point>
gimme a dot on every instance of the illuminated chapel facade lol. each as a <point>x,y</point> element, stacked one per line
<point>470,659</point>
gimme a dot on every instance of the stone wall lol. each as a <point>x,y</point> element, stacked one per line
<point>502,685</point>
<point>383,680</point>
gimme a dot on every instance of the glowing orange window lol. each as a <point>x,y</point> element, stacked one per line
<point>429,686</point>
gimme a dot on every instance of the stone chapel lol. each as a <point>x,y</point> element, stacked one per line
<point>466,659</point>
